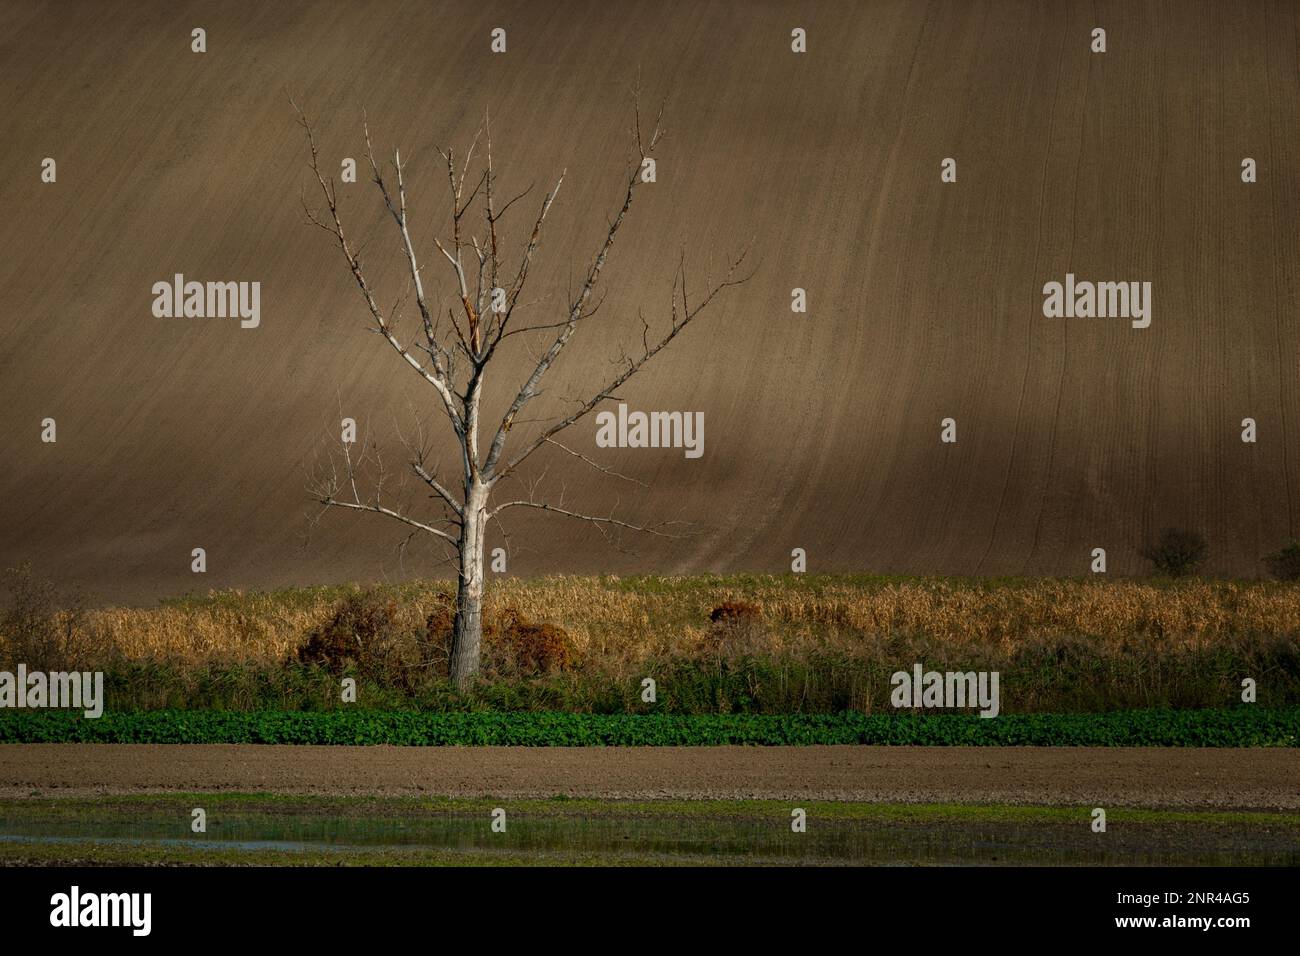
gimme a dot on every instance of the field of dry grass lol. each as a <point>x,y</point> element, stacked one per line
<point>614,619</point>
<point>763,643</point>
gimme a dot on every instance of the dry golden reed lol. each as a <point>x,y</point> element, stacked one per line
<point>618,622</point>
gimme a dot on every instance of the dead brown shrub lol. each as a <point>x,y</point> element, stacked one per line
<point>372,634</point>
<point>733,612</point>
<point>528,646</point>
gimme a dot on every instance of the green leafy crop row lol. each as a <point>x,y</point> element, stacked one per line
<point>1236,727</point>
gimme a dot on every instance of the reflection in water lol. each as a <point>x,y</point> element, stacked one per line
<point>695,838</point>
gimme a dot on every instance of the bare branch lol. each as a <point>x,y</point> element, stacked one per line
<point>521,277</point>
<point>632,366</point>
<point>379,509</point>
<point>599,467</point>
<point>576,310</point>
<point>335,490</point>
<point>398,212</point>
<point>593,519</point>
<point>329,191</point>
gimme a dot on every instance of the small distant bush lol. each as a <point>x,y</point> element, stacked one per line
<point>1177,553</point>
<point>1284,564</point>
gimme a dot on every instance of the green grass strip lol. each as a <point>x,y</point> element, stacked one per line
<point>1235,727</point>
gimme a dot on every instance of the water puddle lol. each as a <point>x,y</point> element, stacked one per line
<point>614,838</point>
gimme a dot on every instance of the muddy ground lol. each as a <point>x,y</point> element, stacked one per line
<point>1137,777</point>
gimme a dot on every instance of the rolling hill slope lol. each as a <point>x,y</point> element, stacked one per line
<point>822,429</point>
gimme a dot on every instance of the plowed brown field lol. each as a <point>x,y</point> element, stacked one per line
<point>1178,777</point>
<point>822,429</point>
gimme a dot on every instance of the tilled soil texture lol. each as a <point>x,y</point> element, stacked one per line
<point>1139,777</point>
<point>925,298</point>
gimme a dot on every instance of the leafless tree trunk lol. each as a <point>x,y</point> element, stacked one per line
<point>467,635</point>
<point>454,358</point>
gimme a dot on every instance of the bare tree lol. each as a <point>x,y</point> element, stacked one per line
<point>454,358</point>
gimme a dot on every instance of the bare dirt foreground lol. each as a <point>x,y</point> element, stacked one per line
<point>1138,777</point>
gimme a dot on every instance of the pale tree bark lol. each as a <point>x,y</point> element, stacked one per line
<point>454,358</point>
<point>467,634</point>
